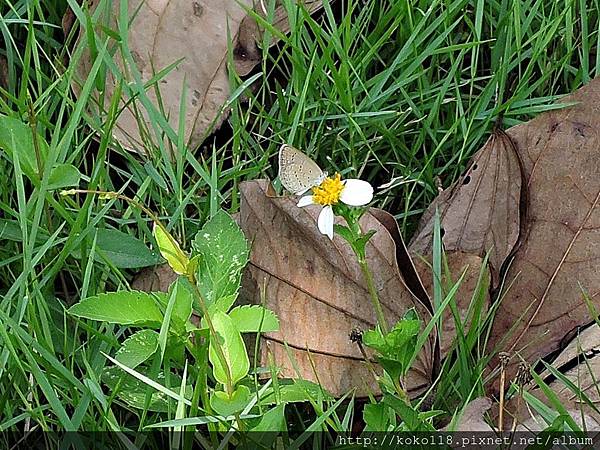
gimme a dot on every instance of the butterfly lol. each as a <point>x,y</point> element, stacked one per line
<point>297,172</point>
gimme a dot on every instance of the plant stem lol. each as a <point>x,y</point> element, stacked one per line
<point>362,261</point>
<point>214,336</point>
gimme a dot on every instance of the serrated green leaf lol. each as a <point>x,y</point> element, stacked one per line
<point>224,253</point>
<point>254,318</point>
<point>138,348</point>
<point>360,244</point>
<point>395,348</point>
<point>123,307</point>
<point>124,250</point>
<point>170,250</point>
<point>233,348</point>
<point>344,232</point>
<point>224,405</point>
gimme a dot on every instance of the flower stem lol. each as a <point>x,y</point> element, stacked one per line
<point>362,261</point>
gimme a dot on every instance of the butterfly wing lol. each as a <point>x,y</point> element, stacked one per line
<point>297,172</point>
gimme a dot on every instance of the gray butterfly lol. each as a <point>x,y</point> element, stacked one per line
<point>297,172</point>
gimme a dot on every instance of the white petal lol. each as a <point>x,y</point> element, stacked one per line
<point>325,221</point>
<point>306,200</point>
<point>356,192</point>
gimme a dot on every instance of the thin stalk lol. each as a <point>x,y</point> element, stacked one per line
<point>364,267</point>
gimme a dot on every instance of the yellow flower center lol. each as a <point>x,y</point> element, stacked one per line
<point>329,191</point>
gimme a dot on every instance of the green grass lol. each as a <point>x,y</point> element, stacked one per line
<point>383,90</point>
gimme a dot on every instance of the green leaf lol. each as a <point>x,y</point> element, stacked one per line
<point>396,348</point>
<point>16,136</point>
<point>409,415</point>
<point>271,423</point>
<point>393,367</point>
<point>224,253</point>
<point>123,307</point>
<point>138,348</point>
<point>344,232</point>
<point>376,417</point>
<point>184,299</point>
<point>224,405</point>
<point>124,250</point>
<point>131,391</point>
<point>11,230</point>
<point>166,324</point>
<point>62,176</point>
<point>272,420</point>
<point>254,318</point>
<point>360,244</point>
<point>224,303</point>
<point>294,391</point>
<point>171,251</point>
<point>396,341</point>
<point>233,348</point>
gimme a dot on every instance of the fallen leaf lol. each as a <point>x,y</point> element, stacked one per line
<point>250,32</point>
<point>579,362</point>
<point>471,418</point>
<point>318,292</point>
<point>193,34</point>
<point>559,255</point>
<point>458,262</point>
<point>160,34</point>
<point>481,211</point>
<point>154,279</point>
<point>410,274</point>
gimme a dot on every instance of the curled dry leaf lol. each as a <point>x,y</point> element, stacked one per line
<point>544,238</point>
<point>318,292</point>
<point>559,255</point>
<point>481,211</point>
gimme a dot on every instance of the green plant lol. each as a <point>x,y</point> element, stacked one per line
<point>207,286</point>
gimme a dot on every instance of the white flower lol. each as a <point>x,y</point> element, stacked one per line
<point>333,190</point>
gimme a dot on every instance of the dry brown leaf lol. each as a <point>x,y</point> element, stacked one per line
<point>472,416</point>
<point>250,31</point>
<point>458,262</point>
<point>579,362</point>
<point>163,32</point>
<point>195,32</point>
<point>560,151</point>
<point>318,292</point>
<point>410,274</point>
<point>154,279</point>
<point>481,211</point>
